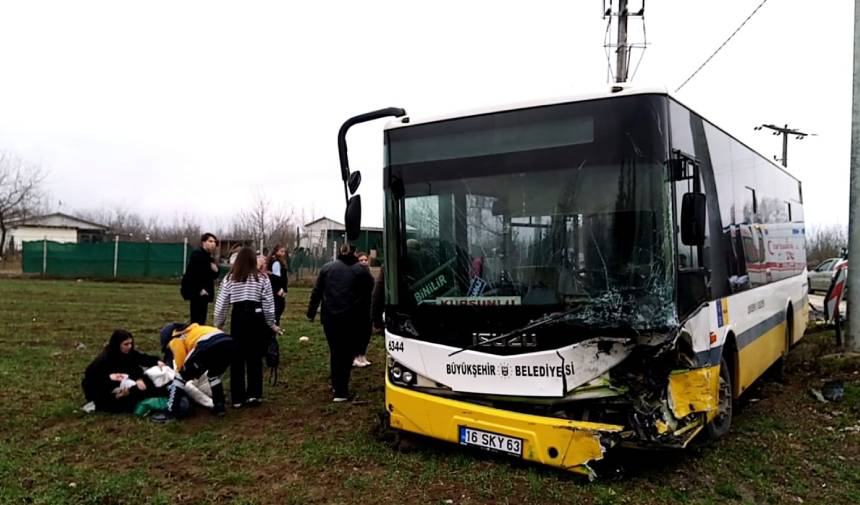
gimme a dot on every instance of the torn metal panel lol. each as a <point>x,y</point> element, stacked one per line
<point>694,391</point>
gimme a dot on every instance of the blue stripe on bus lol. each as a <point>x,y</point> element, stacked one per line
<point>747,337</point>
<point>712,356</point>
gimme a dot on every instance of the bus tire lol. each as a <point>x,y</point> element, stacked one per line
<point>722,422</point>
<point>780,366</point>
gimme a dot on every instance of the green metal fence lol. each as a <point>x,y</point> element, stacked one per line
<point>106,259</point>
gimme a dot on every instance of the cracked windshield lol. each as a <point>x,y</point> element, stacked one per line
<point>566,234</point>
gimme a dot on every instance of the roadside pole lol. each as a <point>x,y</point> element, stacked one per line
<point>184,254</point>
<point>115,253</point>
<point>852,336</point>
<point>622,53</point>
<point>44,255</point>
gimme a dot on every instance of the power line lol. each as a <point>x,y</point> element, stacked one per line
<point>721,46</point>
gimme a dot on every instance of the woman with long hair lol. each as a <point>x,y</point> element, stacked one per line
<point>252,321</point>
<point>363,317</point>
<point>115,381</point>
<point>278,267</point>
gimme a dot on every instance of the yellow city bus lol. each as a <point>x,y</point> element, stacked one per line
<point>566,276</point>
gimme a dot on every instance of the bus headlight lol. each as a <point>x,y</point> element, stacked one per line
<point>400,375</point>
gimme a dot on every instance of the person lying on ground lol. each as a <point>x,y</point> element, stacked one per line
<point>115,381</point>
<point>195,350</point>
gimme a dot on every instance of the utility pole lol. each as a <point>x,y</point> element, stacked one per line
<point>785,131</point>
<point>852,336</point>
<point>621,50</point>
<point>622,47</point>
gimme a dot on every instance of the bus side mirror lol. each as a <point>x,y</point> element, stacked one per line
<point>352,218</point>
<point>353,182</point>
<point>693,219</point>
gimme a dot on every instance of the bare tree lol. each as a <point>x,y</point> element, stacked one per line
<point>825,242</point>
<point>265,223</point>
<point>21,192</point>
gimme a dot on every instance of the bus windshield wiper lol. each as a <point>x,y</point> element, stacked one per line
<point>542,321</point>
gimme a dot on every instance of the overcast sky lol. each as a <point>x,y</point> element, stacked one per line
<point>188,108</point>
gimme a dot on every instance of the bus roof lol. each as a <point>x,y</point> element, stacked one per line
<point>626,90</point>
<point>615,90</point>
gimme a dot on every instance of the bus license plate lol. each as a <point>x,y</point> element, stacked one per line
<point>491,441</point>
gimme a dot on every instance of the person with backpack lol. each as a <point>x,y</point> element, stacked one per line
<point>339,287</point>
<point>252,322</point>
<point>198,281</point>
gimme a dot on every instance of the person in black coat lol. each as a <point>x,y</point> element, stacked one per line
<point>339,289</point>
<point>119,360</point>
<point>363,305</point>
<point>198,282</point>
<point>277,269</point>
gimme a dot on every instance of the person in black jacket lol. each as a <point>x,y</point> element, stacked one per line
<point>363,305</point>
<point>339,288</point>
<point>198,282</point>
<point>119,361</point>
<point>277,269</point>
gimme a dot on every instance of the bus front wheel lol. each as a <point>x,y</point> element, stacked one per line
<point>720,424</point>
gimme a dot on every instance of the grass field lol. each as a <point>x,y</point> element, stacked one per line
<point>785,446</point>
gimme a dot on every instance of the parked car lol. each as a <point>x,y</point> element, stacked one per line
<point>819,277</point>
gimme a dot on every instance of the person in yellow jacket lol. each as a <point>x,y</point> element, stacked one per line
<point>195,349</point>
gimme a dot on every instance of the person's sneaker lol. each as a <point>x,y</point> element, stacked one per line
<point>219,410</point>
<point>365,362</point>
<point>356,363</point>
<point>237,405</point>
<point>253,402</point>
<point>340,399</point>
<point>162,417</point>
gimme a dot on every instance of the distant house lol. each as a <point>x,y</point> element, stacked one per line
<point>56,227</point>
<point>322,237</point>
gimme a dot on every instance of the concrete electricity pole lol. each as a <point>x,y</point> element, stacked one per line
<point>785,131</point>
<point>622,50</point>
<point>852,336</point>
<point>623,47</point>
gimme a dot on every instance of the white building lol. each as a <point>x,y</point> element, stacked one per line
<point>321,235</point>
<point>56,227</point>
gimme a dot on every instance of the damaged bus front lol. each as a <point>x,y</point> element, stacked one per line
<point>537,300</point>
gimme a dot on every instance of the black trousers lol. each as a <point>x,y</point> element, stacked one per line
<point>211,356</point>
<point>362,338</point>
<point>249,331</point>
<point>340,336</point>
<point>280,305</point>
<point>199,308</point>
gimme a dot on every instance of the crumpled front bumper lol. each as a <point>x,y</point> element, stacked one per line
<point>567,444</point>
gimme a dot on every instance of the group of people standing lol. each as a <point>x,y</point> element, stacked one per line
<point>254,291</point>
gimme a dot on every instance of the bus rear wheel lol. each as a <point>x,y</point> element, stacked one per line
<point>722,422</point>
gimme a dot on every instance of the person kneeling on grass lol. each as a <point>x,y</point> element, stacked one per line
<point>115,381</point>
<point>196,350</point>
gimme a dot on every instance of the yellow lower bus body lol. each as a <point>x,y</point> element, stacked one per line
<point>563,443</point>
<point>566,444</point>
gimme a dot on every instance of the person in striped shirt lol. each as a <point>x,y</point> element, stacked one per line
<point>252,321</point>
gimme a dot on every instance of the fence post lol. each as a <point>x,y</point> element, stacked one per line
<point>44,255</point>
<point>184,253</point>
<point>115,254</point>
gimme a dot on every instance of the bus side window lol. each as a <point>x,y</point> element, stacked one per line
<point>738,278</point>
